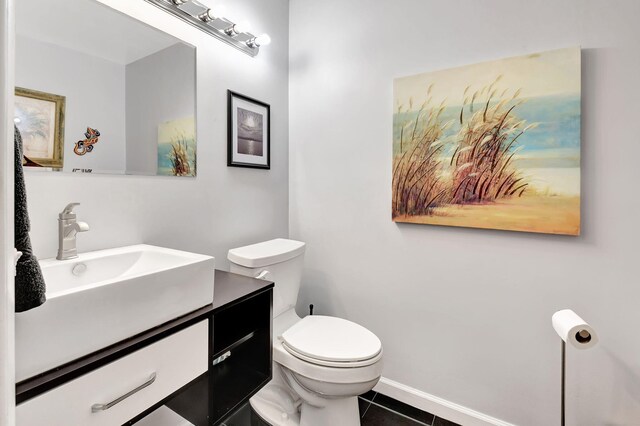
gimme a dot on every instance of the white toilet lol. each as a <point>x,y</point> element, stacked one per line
<point>320,364</point>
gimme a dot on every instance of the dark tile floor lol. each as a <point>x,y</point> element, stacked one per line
<point>375,410</point>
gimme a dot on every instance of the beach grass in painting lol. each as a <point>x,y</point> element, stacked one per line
<point>493,145</point>
<point>177,148</point>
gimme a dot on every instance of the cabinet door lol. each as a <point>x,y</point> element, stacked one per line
<point>241,363</point>
<point>117,392</point>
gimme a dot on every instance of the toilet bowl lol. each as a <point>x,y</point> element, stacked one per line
<point>320,363</point>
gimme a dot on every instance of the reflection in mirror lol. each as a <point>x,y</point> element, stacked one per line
<point>101,92</point>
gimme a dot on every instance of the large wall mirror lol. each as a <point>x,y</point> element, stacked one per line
<point>98,91</point>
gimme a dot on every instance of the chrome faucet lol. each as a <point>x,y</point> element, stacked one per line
<point>68,228</point>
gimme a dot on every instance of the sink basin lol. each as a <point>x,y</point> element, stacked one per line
<point>106,296</point>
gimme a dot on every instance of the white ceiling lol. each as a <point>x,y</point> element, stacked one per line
<point>89,27</point>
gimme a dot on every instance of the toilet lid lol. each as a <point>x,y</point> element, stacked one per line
<point>331,339</point>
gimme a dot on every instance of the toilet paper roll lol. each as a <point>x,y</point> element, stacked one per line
<point>573,329</point>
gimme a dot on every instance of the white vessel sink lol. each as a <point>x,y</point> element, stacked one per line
<point>106,296</point>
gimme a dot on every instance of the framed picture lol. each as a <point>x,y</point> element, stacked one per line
<point>249,128</point>
<point>40,118</point>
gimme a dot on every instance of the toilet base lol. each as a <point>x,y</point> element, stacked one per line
<point>278,406</point>
<point>340,411</point>
<point>343,412</point>
<point>272,415</point>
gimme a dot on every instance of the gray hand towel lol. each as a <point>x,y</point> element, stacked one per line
<point>30,287</point>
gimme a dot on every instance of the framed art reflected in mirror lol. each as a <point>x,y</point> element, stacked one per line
<point>40,118</point>
<point>249,128</point>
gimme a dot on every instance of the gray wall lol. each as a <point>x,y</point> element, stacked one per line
<point>94,91</point>
<point>160,87</point>
<point>465,314</point>
<point>223,207</point>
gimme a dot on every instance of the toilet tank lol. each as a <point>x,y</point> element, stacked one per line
<point>278,260</point>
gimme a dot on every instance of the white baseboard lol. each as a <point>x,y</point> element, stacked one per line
<point>435,405</point>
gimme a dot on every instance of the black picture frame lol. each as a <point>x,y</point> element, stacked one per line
<point>241,151</point>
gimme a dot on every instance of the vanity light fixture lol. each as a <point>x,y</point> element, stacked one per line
<point>213,23</point>
<point>209,15</point>
<point>261,40</point>
<point>234,30</point>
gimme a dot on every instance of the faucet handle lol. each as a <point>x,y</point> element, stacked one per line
<point>68,213</point>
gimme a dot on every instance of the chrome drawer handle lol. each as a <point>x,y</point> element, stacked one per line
<point>102,407</point>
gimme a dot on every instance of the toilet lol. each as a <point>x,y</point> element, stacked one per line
<point>320,363</point>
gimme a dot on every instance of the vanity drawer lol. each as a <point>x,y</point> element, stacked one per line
<point>174,360</point>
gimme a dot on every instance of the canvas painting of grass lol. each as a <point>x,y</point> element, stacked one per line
<point>492,145</point>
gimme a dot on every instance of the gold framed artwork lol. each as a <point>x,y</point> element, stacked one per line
<point>40,118</point>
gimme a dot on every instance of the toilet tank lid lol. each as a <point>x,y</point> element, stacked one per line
<point>266,253</point>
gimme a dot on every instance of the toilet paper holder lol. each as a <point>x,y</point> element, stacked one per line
<point>573,330</point>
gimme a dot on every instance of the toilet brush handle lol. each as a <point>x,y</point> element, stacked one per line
<point>311,309</point>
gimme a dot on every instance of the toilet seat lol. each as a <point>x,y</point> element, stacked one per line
<point>332,342</point>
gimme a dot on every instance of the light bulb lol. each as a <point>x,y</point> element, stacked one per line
<point>207,15</point>
<point>262,40</point>
<point>210,15</point>
<point>241,27</point>
<point>17,120</point>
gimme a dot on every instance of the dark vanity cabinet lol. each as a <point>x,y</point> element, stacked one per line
<point>232,335</point>
<point>239,361</point>
<point>242,351</point>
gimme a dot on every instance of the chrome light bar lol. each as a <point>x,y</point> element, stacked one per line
<point>205,19</point>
